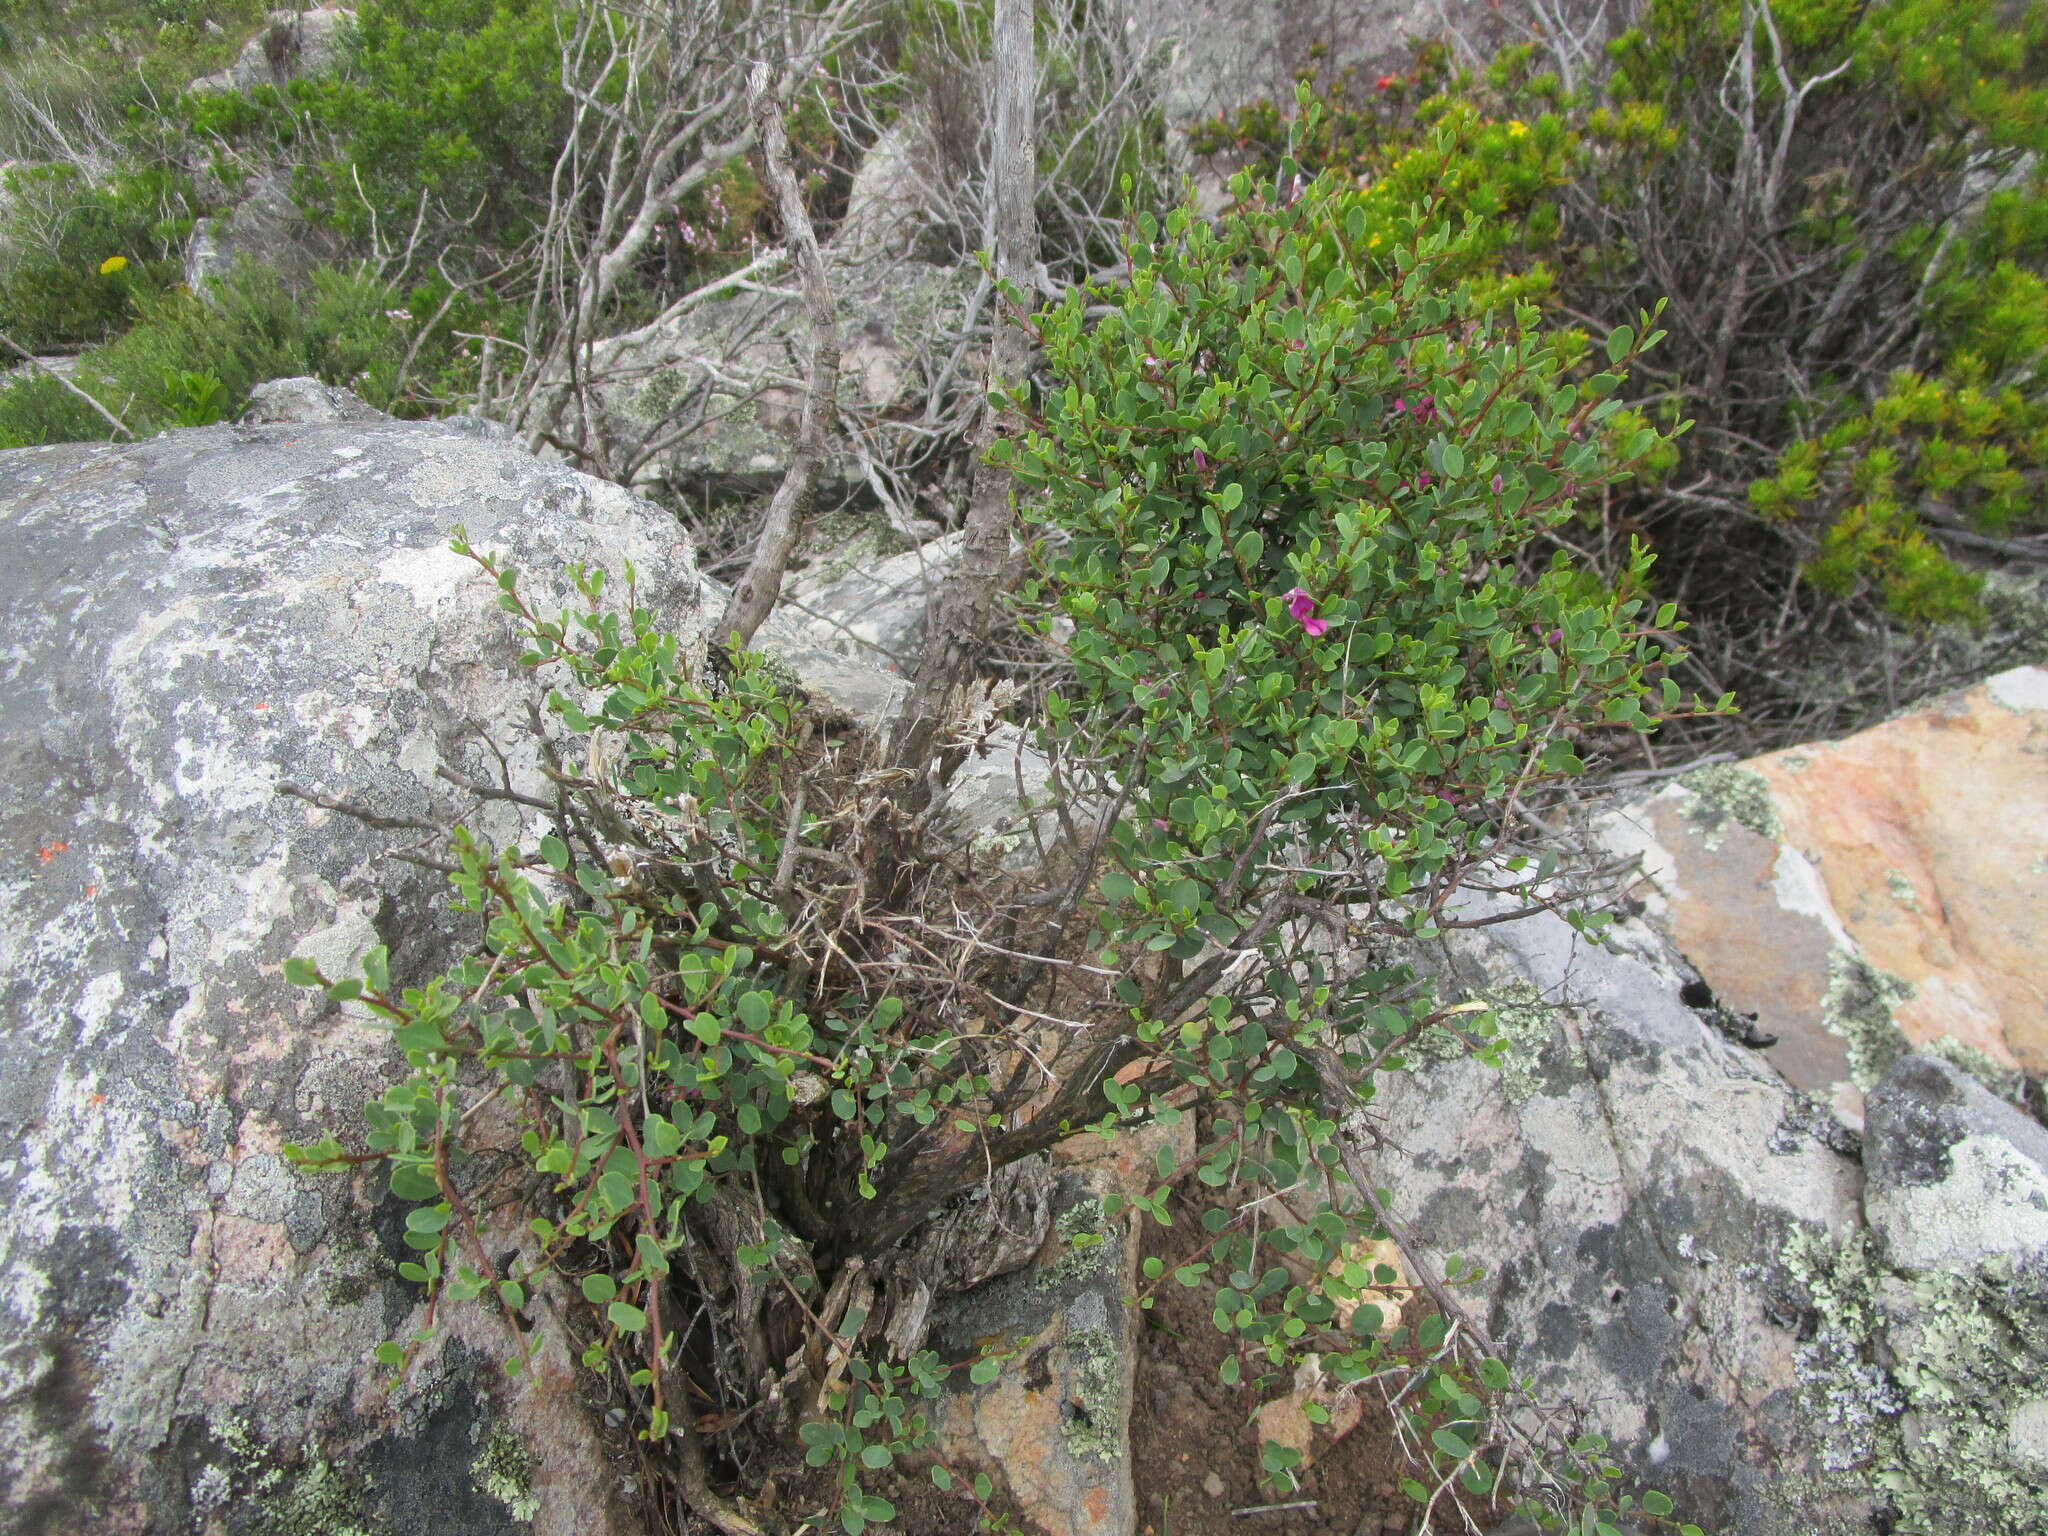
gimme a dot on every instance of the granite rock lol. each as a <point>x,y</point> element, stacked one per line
<point>185,1321</point>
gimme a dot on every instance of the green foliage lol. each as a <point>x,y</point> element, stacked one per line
<point>1289,478</point>
<point>693,1043</point>
<point>60,234</point>
<point>1280,408</point>
<point>455,102</point>
<point>1857,324</point>
<point>191,361</point>
<point>35,409</point>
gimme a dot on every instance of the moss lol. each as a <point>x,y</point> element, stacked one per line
<point>1858,1007</point>
<point>1728,793</point>
<point>1093,1423</point>
<point>504,1470</point>
<point>1902,890</point>
<point>1916,1385</point>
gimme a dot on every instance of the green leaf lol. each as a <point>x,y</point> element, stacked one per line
<point>301,972</point>
<point>875,1457</point>
<point>1619,340</point>
<point>555,852</point>
<point>1451,1445</point>
<point>599,1288</point>
<point>626,1318</point>
<point>1657,1503</point>
<point>942,1479</point>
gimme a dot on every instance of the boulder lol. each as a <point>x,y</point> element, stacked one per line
<point>874,612</point>
<point>707,401</point>
<point>1865,897</point>
<point>264,227</point>
<point>889,208</point>
<point>292,44</point>
<point>1629,1179</point>
<point>191,622</point>
<point>1957,1178</point>
<point>1225,54</point>
<point>1925,1337</point>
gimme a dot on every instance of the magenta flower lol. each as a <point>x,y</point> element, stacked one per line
<point>1496,485</point>
<point>1303,607</point>
<point>1201,461</point>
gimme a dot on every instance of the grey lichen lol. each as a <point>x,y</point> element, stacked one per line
<point>1093,1423</point>
<point>1518,1034</point>
<point>1902,890</point>
<point>1858,1007</point>
<point>1085,1247</point>
<point>503,1469</point>
<point>311,1498</point>
<point>2009,1083</point>
<point>1727,792</point>
<point>1922,1385</point>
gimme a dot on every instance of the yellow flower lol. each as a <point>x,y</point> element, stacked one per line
<point>112,265</point>
<point>1517,128</point>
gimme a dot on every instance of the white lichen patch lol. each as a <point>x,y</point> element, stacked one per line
<point>1902,890</point>
<point>1994,1200</point>
<point>436,577</point>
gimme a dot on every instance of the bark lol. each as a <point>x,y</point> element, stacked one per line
<point>958,630</point>
<point>754,596</point>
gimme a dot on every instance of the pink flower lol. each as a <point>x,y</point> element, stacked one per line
<point>1201,461</point>
<point>1303,607</point>
<point>1496,485</point>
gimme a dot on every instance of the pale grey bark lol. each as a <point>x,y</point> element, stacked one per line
<point>755,594</point>
<point>960,621</point>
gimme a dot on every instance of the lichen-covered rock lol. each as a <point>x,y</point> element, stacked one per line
<point>711,398</point>
<point>190,622</point>
<point>1628,1181</point>
<point>1053,1427</point>
<point>1925,1340</point>
<point>1956,1177</point>
<point>1866,897</point>
<point>292,44</point>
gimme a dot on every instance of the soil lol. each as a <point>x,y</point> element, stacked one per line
<point>1195,1446</point>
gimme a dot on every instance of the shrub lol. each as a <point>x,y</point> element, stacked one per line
<point>35,409</point>
<point>76,258</point>
<point>189,361</point>
<point>1843,207</point>
<point>1286,481</point>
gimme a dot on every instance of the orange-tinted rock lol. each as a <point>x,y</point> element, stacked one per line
<point>1862,896</point>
